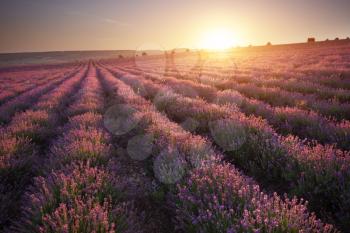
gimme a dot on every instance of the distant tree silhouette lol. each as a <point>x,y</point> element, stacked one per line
<point>337,38</point>
<point>187,50</point>
<point>347,38</point>
<point>311,40</point>
<point>268,43</point>
<point>120,56</point>
<point>144,54</point>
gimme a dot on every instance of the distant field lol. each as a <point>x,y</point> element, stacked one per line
<point>251,138</point>
<point>15,59</point>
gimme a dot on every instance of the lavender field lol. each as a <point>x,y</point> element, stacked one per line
<point>252,139</point>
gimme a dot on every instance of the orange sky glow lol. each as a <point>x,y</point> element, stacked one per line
<point>111,25</point>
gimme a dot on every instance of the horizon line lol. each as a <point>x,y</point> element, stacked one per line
<point>204,49</point>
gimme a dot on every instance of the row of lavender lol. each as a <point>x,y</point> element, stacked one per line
<point>278,97</point>
<point>20,80</point>
<point>213,196</point>
<point>272,95</point>
<point>26,136</point>
<point>19,83</point>
<point>289,81</point>
<point>77,190</point>
<point>11,78</point>
<point>282,163</point>
<point>321,102</point>
<point>27,98</point>
<point>285,120</point>
<point>327,67</point>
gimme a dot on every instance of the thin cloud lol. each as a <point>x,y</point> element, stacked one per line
<point>113,21</point>
<point>73,12</point>
<point>103,20</point>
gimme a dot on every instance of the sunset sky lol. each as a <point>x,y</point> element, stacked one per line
<point>42,25</point>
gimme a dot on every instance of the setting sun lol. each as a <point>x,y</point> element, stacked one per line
<point>218,39</point>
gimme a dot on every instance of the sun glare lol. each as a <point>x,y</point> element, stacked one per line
<point>219,39</point>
